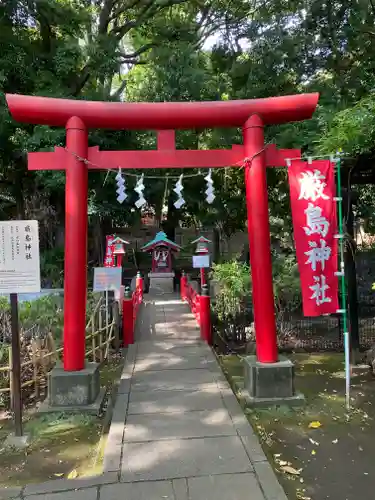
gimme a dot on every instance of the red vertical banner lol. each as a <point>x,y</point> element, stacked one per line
<point>312,193</point>
<point>109,259</point>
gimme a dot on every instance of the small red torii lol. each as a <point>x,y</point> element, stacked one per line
<point>79,116</point>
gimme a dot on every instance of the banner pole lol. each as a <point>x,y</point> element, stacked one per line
<point>343,288</point>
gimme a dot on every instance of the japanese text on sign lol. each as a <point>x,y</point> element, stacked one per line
<point>201,261</point>
<point>107,279</point>
<point>312,191</point>
<point>19,257</point>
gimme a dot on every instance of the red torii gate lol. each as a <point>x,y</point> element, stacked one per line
<point>79,116</point>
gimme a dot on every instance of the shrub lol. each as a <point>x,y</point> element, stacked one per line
<point>36,319</point>
<point>234,288</point>
<point>232,305</point>
<point>286,283</point>
<point>41,316</point>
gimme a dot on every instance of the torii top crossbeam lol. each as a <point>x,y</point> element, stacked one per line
<point>161,115</point>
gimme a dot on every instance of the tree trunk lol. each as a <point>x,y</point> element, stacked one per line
<point>351,274</point>
<point>98,241</point>
<point>59,231</point>
<point>169,226</point>
<point>18,189</point>
<point>216,245</point>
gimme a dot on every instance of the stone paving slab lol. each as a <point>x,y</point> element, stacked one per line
<point>271,487</point>
<point>89,494</point>
<point>193,424</point>
<point>171,380</point>
<point>119,411</point>
<point>182,317</point>
<point>171,335</point>
<point>173,401</point>
<point>171,362</point>
<point>172,349</point>
<point>112,457</point>
<point>225,487</point>
<point>64,485</point>
<point>179,458</point>
<point>182,325</point>
<point>10,493</point>
<point>176,310</point>
<point>153,490</point>
<point>176,346</point>
<point>177,320</point>
<point>180,488</point>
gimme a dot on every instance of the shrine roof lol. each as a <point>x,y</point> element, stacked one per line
<point>159,240</point>
<point>201,239</point>
<point>120,240</point>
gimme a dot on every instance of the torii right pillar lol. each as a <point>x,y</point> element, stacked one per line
<point>269,379</point>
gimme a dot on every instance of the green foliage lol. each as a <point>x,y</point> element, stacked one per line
<point>4,304</point>
<point>233,288</point>
<point>42,316</point>
<point>352,129</point>
<point>124,50</point>
<point>52,268</point>
<point>286,283</point>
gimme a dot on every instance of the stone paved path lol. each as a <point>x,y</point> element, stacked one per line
<point>178,432</point>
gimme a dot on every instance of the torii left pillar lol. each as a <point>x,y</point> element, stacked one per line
<point>75,256</point>
<point>76,384</point>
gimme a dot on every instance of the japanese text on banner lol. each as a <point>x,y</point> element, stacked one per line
<point>312,192</point>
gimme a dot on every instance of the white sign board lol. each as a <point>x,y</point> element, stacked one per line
<point>19,257</point>
<point>107,279</point>
<point>200,261</point>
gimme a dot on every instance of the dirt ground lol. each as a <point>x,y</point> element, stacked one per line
<point>335,459</point>
<point>61,445</point>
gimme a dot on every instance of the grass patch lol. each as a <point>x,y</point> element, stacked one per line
<point>62,445</point>
<point>331,461</point>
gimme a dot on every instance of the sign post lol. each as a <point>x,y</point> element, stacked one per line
<point>19,273</point>
<point>16,399</point>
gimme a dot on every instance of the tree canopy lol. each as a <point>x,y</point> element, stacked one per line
<point>181,50</point>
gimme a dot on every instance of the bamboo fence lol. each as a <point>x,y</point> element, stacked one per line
<point>42,354</point>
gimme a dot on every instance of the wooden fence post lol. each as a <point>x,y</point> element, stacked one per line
<point>116,320</point>
<point>93,339</point>
<point>100,336</point>
<point>10,376</point>
<point>35,368</point>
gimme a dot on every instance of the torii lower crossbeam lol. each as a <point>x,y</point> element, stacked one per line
<point>166,156</point>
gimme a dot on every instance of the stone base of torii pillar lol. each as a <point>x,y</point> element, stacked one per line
<point>74,391</point>
<point>269,384</point>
